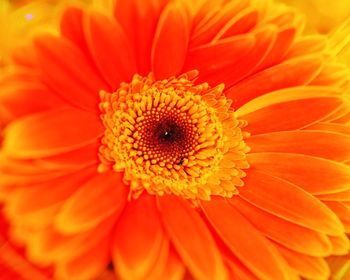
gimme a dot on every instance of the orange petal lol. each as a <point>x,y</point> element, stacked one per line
<point>290,109</point>
<point>160,267</point>
<point>292,236</point>
<point>250,247</point>
<point>138,239</point>
<point>29,199</point>
<point>275,196</point>
<point>174,269</point>
<point>25,56</point>
<point>295,72</point>
<point>15,266</point>
<point>239,271</point>
<point>87,265</point>
<point>332,127</point>
<point>38,135</point>
<point>264,39</point>
<point>102,196</point>
<point>284,39</point>
<point>241,23</point>
<point>333,74</point>
<point>306,266</point>
<point>188,232</point>
<point>139,20</point>
<point>71,27</point>
<point>204,10</point>
<point>110,49</point>
<point>342,211</point>
<point>85,156</point>
<point>340,115</point>
<point>324,144</point>
<point>315,175</point>
<point>73,78</point>
<point>170,41</point>
<point>217,18</point>
<point>10,181</point>
<point>20,98</point>
<point>307,44</point>
<point>340,268</point>
<point>47,245</point>
<point>339,196</point>
<point>340,244</point>
<point>209,58</point>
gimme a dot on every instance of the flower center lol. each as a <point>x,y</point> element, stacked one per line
<point>173,136</point>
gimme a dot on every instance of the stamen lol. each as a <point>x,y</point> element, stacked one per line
<point>173,136</point>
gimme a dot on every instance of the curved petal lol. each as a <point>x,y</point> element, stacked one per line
<point>340,244</point>
<point>174,269</point>
<point>73,78</point>
<point>306,266</point>
<point>48,245</point>
<point>342,211</point>
<point>323,144</point>
<point>212,58</point>
<point>232,74</point>
<point>290,235</point>
<point>315,175</point>
<point>25,55</point>
<point>15,266</point>
<point>87,155</point>
<point>71,27</point>
<point>339,196</point>
<point>138,239</point>
<point>108,195</point>
<point>139,20</point>
<point>217,19</point>
<point>313,43</point>
<point>88,264</point>
<point>284,40</point>
<point>332,127</point>
<point>290,109</point>
<point>20,97</point>
<point>27,204</point>
<point>183,224</point>
<point>110,49</point>
<point>241,23</point>
<point>239,271</point>
<point>250,247</point>
<point>37,135</point>
<point>295,72</point>
<point>289,202</point>
<point>160,267</point>
<point>334,74</point>
<point>170,41</point>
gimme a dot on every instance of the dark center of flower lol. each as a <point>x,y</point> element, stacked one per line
<point>172,136</point>
<point>168,132</point>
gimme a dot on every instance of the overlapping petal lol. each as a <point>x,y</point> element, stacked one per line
<point>290,94</point>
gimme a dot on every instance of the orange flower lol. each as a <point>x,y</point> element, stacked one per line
<point>169,140</point>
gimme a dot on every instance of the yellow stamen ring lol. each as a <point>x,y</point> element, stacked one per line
<point>173,136</point>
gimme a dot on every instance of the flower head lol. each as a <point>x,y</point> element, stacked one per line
<point>174,137</point>
<point>166,138</point>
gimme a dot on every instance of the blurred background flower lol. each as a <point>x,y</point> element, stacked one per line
<point>322,15</point>
<point>19,20</point>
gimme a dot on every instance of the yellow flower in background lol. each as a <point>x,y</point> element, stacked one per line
<point>19,20</point>
<point>322,15</point>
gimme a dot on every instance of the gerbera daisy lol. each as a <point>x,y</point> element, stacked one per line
<point>168,139</point>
